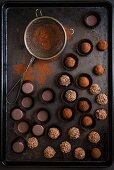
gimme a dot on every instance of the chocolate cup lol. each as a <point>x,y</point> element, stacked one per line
<point>22,127</point>
<point>61,116</point>
<point>78,47</point>
<point>43,117</point>
<point>51,95</point>
<point>87,127</point>
<point>74,57</point>
<point>84,99</point>
<point>65,100</point>
<point>28,81</point>
<point>18,145</point>
<point>84,75</point>
<point>16,114</point>
<point>30,103</point>
<point>38,130</point>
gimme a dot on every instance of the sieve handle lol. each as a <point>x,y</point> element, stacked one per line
<point>18,83</point>
<point>36,12</point>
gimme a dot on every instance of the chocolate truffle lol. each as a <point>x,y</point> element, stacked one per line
<point>84,105</point>
<point>85,47</point>
<point>67,113</point>
<point>18,146</point>
<point>99,70</point>
<point>87,121</point>
<point>74,133</point>
<point>42,115</point>
<point>83,81</point>
<point>70,62</point>
<point>102,98</point>
<point>32,142</point>
<point>79,153</point>
<point>27,102</point>
<point>96,153</point>
<point>102,45</point>
<point>94,137</point>
<point>64,80</point>
<point>49,152</point>
<point>47,95</point>
<point>27,87</point>
<point>101,114</point>
<point>91,20</point>
<point>53,133</point>
<point>38,130</point>
<point>70,95</point>
<point>23,127</point>
<point>65,147</point>
<point>17,114</point>
<point>95,89</point>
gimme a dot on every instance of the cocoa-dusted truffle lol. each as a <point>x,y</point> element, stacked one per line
<point>32,142</point>
<point>87,121</point>
<point>102,98</point>
<point>94,137</point>
<point>85,47</point>
<point>79,153</point>
<point>74,133</point>
<point>70,95</point>
<point>49,152</point>
<point>83,81</point>
<point>70,62</point>
<point>96,153</point>
<point>65,147</point>
<point>67,113</point>
<point>101,114</point>
<point>53,133</point>
<point>95,89</point>
<point>64,80</point>
<point>99,70</point>
<point>84,105</point>
<point>102,45</point>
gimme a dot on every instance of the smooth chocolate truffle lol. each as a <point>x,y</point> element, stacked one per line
<point>42,115</point>
<point>85,47</point>
<point>17,114</point>
<point>65,147</point>
<point>23,127</point>
<point>74,133</point>
<point>87,121</point>
<point>83,81</point>
<point>101,114</point>
<point>18,146</point>
<point>47,95</point>
<point>67,113</point>
<point>79,153</point>
<point>102,45</point>
<point>53,133</point>
<point>95,89</point>
<point>84,105</point>
<point>94,137</point>
<point>99,70</point>
<point>70,62</point>
<point>96,153</point>
<point>49,152</point>
<point>102,98</point>
<point>27,102</point>
<point>27,87</point>
<point>91,20</point>
<point>32,142</point>
<point>64,80</point>
<point>70,95</point>
<point>38,130</point>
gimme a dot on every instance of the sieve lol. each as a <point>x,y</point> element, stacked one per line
<point>36,50</point>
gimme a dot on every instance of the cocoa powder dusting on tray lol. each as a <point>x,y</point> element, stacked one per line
<point>68,33</point>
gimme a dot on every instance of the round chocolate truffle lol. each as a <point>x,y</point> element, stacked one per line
<point>47,95</point>
<point>79,153</point>
<point>18,146</point>
<point>64,80</point>
<point>96,153</point>
<point>102,45</point>
<point>38,130</point>
<point>101,114</point>
<point>102,98</point>
<point>95,89</point>
<point>27,102</point>
<point>49,152</point>
<point>70,95</point>
<point>42,115</point>
<point>67,113</point>
<point>17,114</point>
<point>27,87</point>
<point>94,137</point>
<point>99,70</point>
<point>53,133</point>
<point>87,121</point>
<point>83,81</point>
<point>85,47</point>
<point>74,133</point>
<point>70,62</point>
<point>65,147</point>
<point>83,105</point>
<point>32,142</point>
<point>23,127</point>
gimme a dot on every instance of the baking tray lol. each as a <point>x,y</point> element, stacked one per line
<point>15,18</point>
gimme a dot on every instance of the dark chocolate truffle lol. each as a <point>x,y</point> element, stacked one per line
<point>27,102</point>
<point>94,137</point>
<point>85,47</point>
<point>102,45</point>
<point>18,146</point>
<point>17,114</point>
<point>79,153</point>
<point>83,81</point>
<point>65,147</point>
<point>49,152</point>
<point>42,115</point>
<point>23,127</point>
<point>84,105</point>
<point>32,142</point>
<point>47,95</point>
<point>70,95</point>
<point>67,113</point>
<point>96,153</point>
<point>64,80</point>
<point>99,70</point>
<point>70,62</point>
<point>53,133</point>
<point>87,121</point>
<point>38,130</point>
<point>27,87</point>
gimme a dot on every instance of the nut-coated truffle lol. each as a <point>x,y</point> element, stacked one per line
<point>85,47</point>
<point>94,137</point>
<point>87,121</point>
<point>102,45</point>
<point>102,98</point>
<point>70,95</point>
<point>64,80</point>
<point>83,81</point>
<point>84,105</point>
<point>49,152</point>
<point>95,89</point>
<point>99,70</point>
<point>67,113</point>
<point>74,133</point>
<point>70,62</point>
<point>101,114</point>
<point>32,142</point>
<point>95,153</point>
<point>53,133</point>
<point>79,153</point>
<point>65,147</point>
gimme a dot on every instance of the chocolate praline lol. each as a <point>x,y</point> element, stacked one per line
<point>26,102</point>
<point>84,105</point>
<point>67,113</point>
<point>42,115</point>
<point>87,121</point>
<point>27,87</point>
<point>96,153</point>
<point>17,114</point>
<point>38,130</point>
<point>18,146</point>
<point>21,127</point>
<point>92,19</point>
<point>47,95</point>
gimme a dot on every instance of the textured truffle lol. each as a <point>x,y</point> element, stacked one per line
<point>32,142</point>
<point>95,89</point>
<point>70,62</point>
<point>87,121</point>
<point>65,147</point>
<point>85,47</point>
<point>94,137</point>
<point>70,95</point>
<point>102,98</point>
<point>83,81</point>
<point>95,153</point>
<point>53,133</point>
<point>79,153</point>
<point>102,45</point>
<point>49,152</point>
<point>67,113</point>
<point>74,133</point>
<point>101,114</point>
<point>99,70</point>
<point>84,105</point>
<point>64,80</point>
